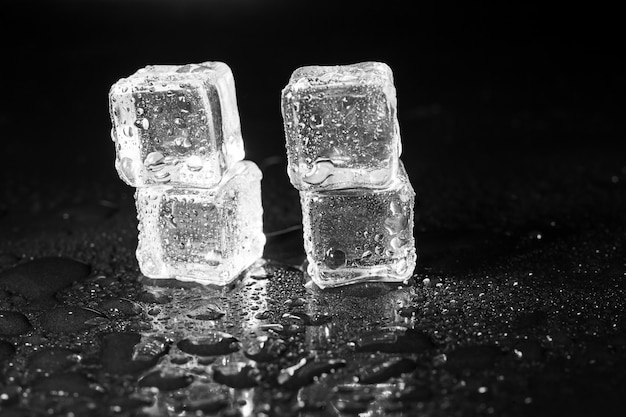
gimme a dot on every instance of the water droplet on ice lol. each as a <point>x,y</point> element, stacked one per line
<point>335,258</point>
<point>194,163</point>
<point>126,165</point>
<point>142,123</point>
<point>319,172</point>
<point>154,161</point>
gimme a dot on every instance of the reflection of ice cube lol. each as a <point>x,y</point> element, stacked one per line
<point>355,235</point>
<point>176,124</point>
<point>341,126</point>
<point>207,235</point>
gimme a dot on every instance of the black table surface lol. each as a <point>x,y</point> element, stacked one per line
<point>512,125</point>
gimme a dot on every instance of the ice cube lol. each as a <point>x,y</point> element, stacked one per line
<point>176,124</point>
<point>207,235</point>
<point>356,235</point>
<point>341,127</point>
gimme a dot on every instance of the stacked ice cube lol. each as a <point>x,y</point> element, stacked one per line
<point>178,141</point>
<point>343,148</point>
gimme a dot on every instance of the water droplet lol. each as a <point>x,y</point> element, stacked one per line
<point>128,169</point>
<point>142,123</point>
<point>212,344</point>
<point>318,173</point>
<point>166,380</point>
<point>236,375</point>
<point>335,258</point>
<point>208,312</point>
<point>154,161</point>
<point>194,163</point>
<point>149,348</point>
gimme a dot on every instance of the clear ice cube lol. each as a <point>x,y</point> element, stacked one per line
<point>356,235</point>
<point>175,124</point>
<point>341,127</point>
<point>207,235</point>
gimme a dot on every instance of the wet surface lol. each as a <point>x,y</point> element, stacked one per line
<point>511,124</point>
<point>520,313</point>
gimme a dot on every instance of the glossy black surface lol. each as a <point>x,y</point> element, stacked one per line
<point>511,119</point>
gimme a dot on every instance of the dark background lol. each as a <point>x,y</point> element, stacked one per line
<point>474,79</point>
<point>512,121</point>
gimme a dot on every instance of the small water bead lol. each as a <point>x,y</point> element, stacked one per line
<point>194,163</point>
<point>154,161</point>
<point>142,123</point>
<point>128,169</point>
<point>319,172</point>
<point>162,176</point>
<point>183,141</point>
<point>335,258</point>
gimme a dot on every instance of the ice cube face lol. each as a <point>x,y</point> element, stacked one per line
<point>207,235</point>
<point>341,126</point>
<point>357,235</point>
<point>176,124</point>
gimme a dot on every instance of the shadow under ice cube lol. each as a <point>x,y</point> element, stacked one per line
<point>341,126</point>
<point>176,124</point>
<point>356,235</point>
<point>207,235</point>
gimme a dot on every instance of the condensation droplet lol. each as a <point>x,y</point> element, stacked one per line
<point>127,168</point>
<point>319,172</point>
<point>194,163</point>
<point>142,123</point>
<point>154,161</point>
<point>335,258</point>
